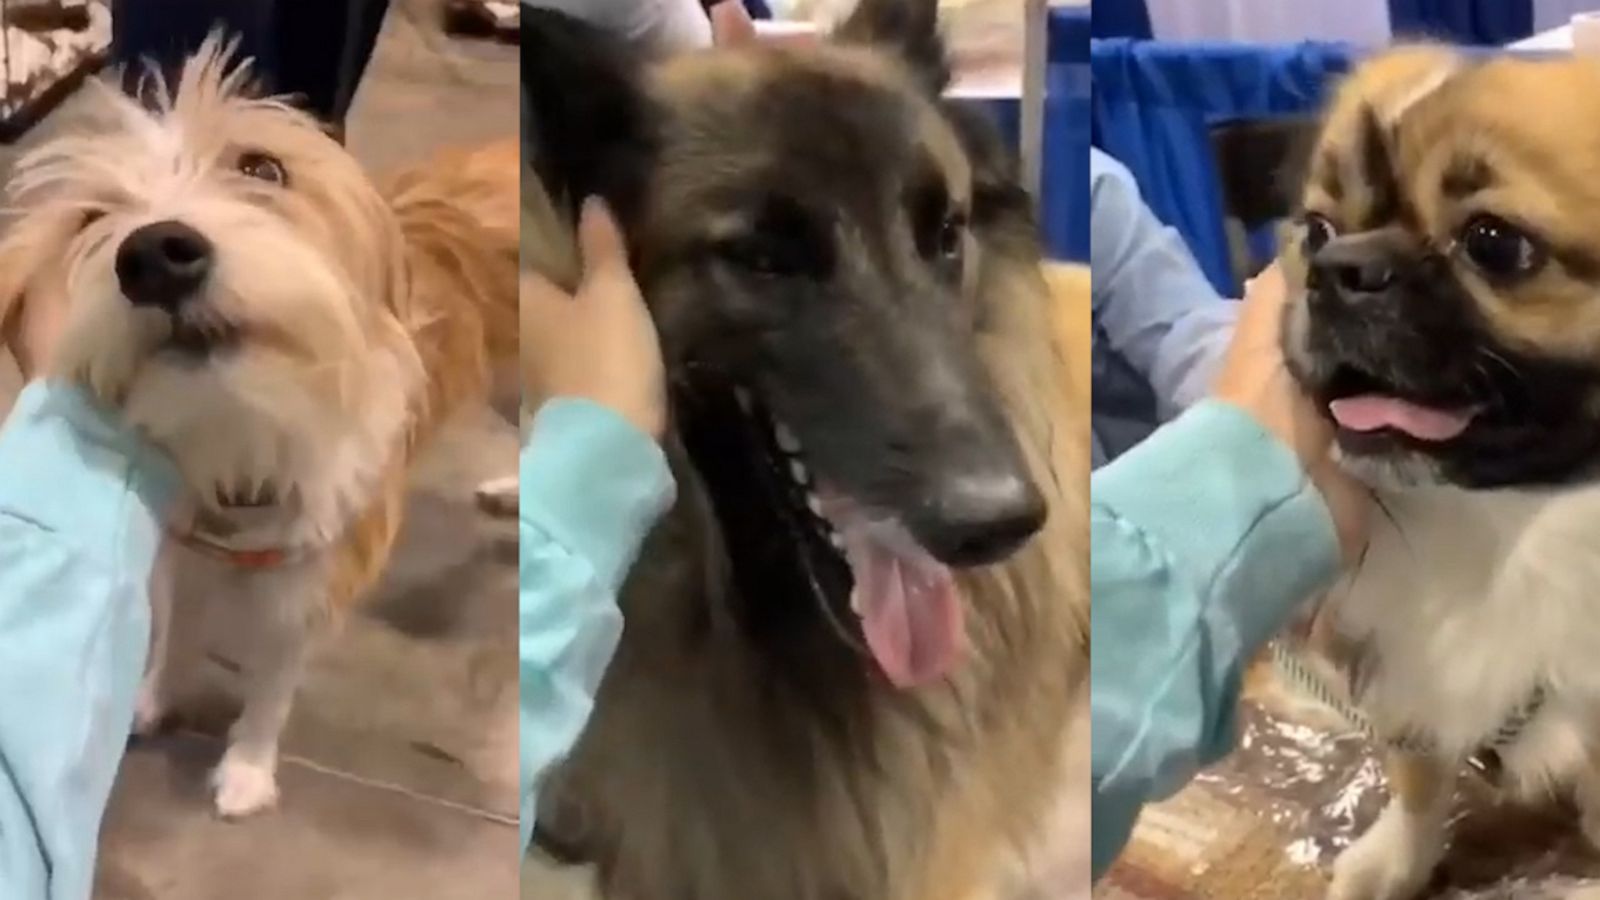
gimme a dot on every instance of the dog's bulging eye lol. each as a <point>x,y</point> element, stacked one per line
<point>1319,231</point>
<point>1499,249</point>
<point>263,167</point>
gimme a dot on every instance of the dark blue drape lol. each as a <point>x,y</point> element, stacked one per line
<point>1064,193</point>
<point>317,51</point>
<point>1121,18</point>
<point>758,9</point>
<point>1153,106</point>
<point>1494,22</point>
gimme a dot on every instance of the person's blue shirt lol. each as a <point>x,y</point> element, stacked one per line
<point>82,505</point>
<point>1160,329</point>
<point>592,487</point>
<point>1203,541</point>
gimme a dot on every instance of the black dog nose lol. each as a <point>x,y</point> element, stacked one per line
<point>982,519</point>
<point>1354,267</point>
<point>163,264</point>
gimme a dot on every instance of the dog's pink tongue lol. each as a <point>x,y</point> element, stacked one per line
<point>910,609</point>
<point>1371,412</point>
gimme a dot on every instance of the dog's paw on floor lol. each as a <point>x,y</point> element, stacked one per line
<point>498,496</point>
<point>243,787</point>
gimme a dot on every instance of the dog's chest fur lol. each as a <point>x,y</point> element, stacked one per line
<point>1466,603</point>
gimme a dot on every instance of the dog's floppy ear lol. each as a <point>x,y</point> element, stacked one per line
<point>586,120</point>
<point>908,28</point>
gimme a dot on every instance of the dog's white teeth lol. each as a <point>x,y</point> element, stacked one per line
<point>743,396</point>
<point>797,471</point>
<point>837,540</point>
<point>787,442</point>
<point>814,503</point>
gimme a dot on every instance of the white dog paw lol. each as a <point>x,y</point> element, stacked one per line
<point>244,787</point>
<point>498,496</point>
<point>1392,861</point>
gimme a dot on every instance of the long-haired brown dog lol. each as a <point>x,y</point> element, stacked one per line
<point>238,289</point>
<point>854,646</point>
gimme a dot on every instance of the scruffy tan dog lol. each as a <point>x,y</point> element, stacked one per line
<point>238,289</point>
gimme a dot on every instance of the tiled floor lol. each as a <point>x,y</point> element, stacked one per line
<point>399,776</point>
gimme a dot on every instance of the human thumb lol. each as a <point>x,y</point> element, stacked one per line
<point>600,240</point>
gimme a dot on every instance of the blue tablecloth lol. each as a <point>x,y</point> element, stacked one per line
<point>1154,105</point>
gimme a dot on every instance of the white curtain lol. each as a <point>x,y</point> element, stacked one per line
<point>1363,22</point>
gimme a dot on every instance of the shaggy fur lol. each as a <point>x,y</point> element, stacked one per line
<point>339,325</point>
<point>1448,258</point>
<point>742,745</point>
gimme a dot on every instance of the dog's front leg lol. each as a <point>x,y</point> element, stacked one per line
<point>246,779</point>
<point>1396,856</point>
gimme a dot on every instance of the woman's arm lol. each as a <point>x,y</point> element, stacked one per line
<point>81,512</point>
<point>1204,539</point>
<point>592,487</point>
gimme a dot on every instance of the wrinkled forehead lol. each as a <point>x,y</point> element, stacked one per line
<point>1504,130</point>
<point>830,127</point>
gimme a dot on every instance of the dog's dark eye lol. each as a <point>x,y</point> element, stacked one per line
<point>785,240</point>
<point>264,167</point>
<point>1499,249</point>
<point>756,255</point>
<point>91,217</point>
<point>951,232</point>
<point>1319,231</point>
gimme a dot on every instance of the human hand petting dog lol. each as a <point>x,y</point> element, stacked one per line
<point>598,343</point>
<point>1254,377</point>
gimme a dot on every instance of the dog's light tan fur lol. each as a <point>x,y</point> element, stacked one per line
<point>366,318</point>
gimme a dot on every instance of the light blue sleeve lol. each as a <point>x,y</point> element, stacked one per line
<point>592,487</point>
<point>1204,540</point>
<point>81,506</point>
<point>1152,304</point>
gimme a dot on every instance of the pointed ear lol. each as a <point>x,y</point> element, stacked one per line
<point>906,28</point>
<point>587,123</point>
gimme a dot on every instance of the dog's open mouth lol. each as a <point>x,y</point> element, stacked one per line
<point>907,602</point>
<point>1369,410</point>
<point>803,551</point>
<point>201,336</point>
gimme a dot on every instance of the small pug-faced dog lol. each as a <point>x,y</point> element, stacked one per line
<point>1449,326</point>
<point>237,289</point>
